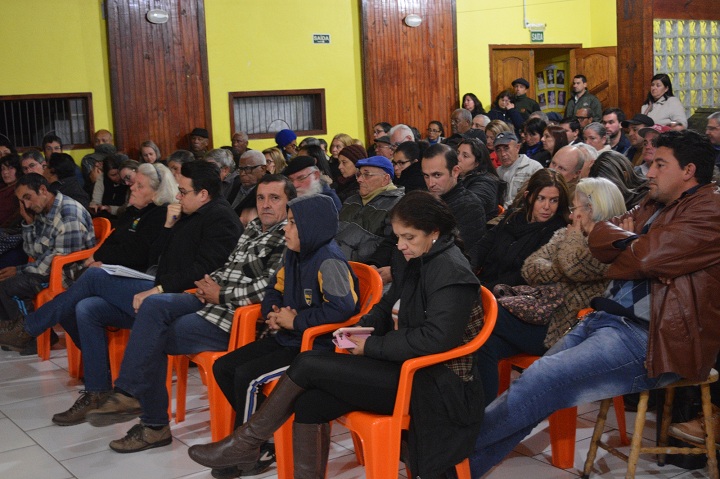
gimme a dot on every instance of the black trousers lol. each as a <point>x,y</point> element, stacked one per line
<point>24,286</point>
<point>336,384</point>
<point>241,373</point>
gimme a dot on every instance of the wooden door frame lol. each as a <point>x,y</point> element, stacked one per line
<point>526,46</point>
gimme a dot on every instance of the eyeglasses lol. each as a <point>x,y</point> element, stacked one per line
<point>366,176</point>
<point>401,162</point>
<point>378,132</point>
<point>393,146</point>
<point>430,130</point>
<point>712,128</point>
<point>184,192</point>
<point>247,169</point>
<point>583,117</point>
<point>383,145</point>
<point>301,178</point>
<point>573,208</point>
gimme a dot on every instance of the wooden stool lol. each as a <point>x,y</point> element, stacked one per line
<point>662,449</point>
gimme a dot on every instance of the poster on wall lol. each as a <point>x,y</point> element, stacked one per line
<point>550,87</point>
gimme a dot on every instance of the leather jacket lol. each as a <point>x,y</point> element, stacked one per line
<point>682,247</point>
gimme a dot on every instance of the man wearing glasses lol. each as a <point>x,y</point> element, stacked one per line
<point>383,146</point>
<point>584,117</point>
<point>364,220</point>
<point>252,167</point>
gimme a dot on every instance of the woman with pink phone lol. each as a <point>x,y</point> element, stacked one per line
<point>433,291</point>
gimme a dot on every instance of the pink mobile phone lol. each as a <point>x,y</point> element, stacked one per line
<point>340,336</point>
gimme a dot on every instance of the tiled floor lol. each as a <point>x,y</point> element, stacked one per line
<point>32,447</point>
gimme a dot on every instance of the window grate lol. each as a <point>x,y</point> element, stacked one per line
<point>26,119</point>
<point>262,114</point>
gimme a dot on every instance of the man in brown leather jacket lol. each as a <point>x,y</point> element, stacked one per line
<point>658,321</point>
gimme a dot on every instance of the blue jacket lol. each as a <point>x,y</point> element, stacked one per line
<point>317,282</point>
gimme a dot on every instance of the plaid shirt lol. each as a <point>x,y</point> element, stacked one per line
<point>245,275</point>
<point>66,228</point>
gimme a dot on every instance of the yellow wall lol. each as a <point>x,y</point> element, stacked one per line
<point>53,46</point>
<point>481,23</point>
<point>60,46</point>
<point>267,45</point>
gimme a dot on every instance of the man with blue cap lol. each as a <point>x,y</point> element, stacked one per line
<point>364,220</point>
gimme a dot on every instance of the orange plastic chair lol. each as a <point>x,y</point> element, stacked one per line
<point>371,289</point>
<point>102,229</point>
<point>379,436</point>
<point>563,423</point>
<point>221,413</point>
<point>222,416</point>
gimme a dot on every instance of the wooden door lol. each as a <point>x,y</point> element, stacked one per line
<point>158,73</point>
<point>409,74</point>
<point>507,65</point>
<point>599,65</point>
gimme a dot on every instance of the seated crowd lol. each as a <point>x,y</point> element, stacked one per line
<point>590,211</point>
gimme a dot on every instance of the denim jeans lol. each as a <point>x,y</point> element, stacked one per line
<point>600,358</point>
<point>510,336</point>
<point>114,299</point>
<point>165,324</point>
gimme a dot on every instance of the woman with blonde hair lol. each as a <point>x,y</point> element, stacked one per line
<point>150,152</point>
<point>274,160</point>
<point>339,141</point>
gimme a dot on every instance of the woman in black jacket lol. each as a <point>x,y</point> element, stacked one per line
<point>425,311</point>
<point>544,209</point>
<point>478,175</point>
<point>504,110</point>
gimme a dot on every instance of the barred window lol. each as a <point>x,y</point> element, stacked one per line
<point>261,114</point>
<point>26,119</point>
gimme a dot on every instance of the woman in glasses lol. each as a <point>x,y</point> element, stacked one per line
<point>435,132</point>
<point>406,162</point>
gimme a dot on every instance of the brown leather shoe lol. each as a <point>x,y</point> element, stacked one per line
<point>87,401</point>
<point>141,437</point>
<point>115,409</point>
<point>242,447</point>
<point>694,430</point>
<point>15,337</point>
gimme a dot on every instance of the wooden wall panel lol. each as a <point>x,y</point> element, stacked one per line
<point>158,73</point>
<point>409,74</point>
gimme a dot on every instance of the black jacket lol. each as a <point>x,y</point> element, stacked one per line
<point>196,245</point>
<point>503,250</point>
<point>71,187</point>
<point>436,293</point>
<point>470,217</point>
<point>131,242</point>
<point>489,189</point>
<point>345,187</point>
<point>412,178</point>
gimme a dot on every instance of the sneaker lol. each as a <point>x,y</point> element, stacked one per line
<point>694,430</point>
<point>116,408</point>
<point>76,414</point>
<point>267,458</point>
<point>15,338</point>
<point>141,437</point>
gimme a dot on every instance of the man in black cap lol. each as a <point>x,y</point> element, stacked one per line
<point>383,146</point>
<point>634,125</point>
<point>523,104</point>
<point>515,168</point>
<point>305,176</point>
<point>199,140</point>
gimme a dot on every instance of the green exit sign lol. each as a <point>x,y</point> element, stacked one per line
<point>537,37</point>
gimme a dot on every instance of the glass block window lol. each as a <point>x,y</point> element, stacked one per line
<point>689,51</point>
<point>26,119</point>
<point>261,114</point>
